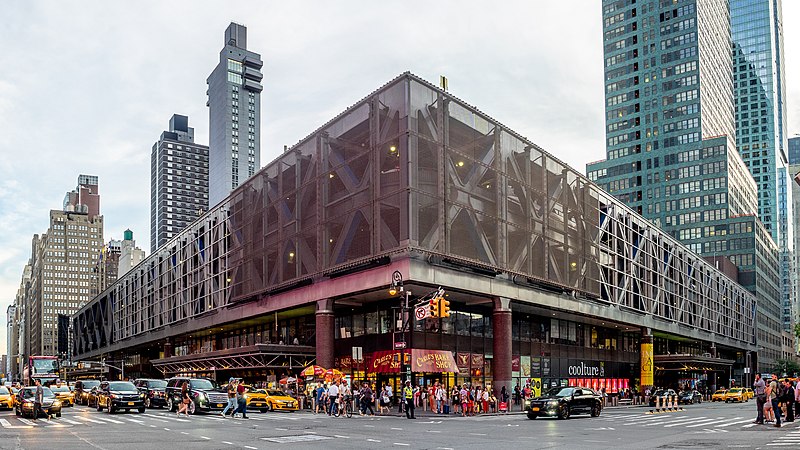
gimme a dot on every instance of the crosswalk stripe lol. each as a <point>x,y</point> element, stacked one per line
<point>107,419</point>
<point>6,424</point>
<point>733,423</point>
<point>72,422</point>
<point>705,423</point>
<point>28,422</point>
<point>675,422</point>
<point>89,420</point>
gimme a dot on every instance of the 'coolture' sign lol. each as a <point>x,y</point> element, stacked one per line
<point>433,361</point>
<point>585,370</point>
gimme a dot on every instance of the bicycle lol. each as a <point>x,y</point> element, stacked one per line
<point>347,406</point>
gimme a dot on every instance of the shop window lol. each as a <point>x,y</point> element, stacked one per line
<point>372,323</point>
<point>358,325</point>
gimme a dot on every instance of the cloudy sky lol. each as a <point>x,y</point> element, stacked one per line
<point>87,87</point>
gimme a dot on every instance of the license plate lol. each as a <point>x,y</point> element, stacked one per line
<point>219,405</point>
<point>130,403</point>
<point>535,408</point>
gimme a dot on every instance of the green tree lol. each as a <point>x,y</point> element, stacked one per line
<point>787,366</point>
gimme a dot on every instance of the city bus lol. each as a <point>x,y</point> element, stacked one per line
<point>43,368</point>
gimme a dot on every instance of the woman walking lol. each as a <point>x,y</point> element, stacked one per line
<point>185,399</point>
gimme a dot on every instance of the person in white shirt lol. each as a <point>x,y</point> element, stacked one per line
<point>439,393</point>
<point>333,395</point>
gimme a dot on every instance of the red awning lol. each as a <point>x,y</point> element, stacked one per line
<point>433,361</point>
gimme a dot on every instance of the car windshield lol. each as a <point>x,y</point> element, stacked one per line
<point>157,384</point>
<point>121,386</point>
<point>3,390</point>
<point>59,388</point>
<point>199,383</point>
<point>30,392</point>
<point>89,384</point>
<point>559,392</point>
<point>735,390</point>
<point>276,393</point>
<point>721,391</point>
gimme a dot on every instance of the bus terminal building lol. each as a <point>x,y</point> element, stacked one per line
<point>549,279</point>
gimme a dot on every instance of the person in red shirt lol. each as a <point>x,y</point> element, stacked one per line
<point>240,391</point>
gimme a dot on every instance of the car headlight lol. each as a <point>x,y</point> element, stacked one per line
<point>141,395</point>
<point>552,402</point>
<point>56,403</point>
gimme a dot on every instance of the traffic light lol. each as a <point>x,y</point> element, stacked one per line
<point>444,307</point>
<point>433,307</point>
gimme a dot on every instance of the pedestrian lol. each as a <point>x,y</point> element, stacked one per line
<point>385,400</point>
<point>773,401</point>
<point>333,398</point>
<point>517,395</point>
<point>231,390</point>
<point>485,400</point>
<point>38,399</point>
<point>759,389</point>
<point>463,395</point>
<point>408,394</point>
<point>454,400</point>
<point>367,400</point>
<point>440,396</point>
<point>788,400</point>
<point>185,399</point>
<point>241,400</point>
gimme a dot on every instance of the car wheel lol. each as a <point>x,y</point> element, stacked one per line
<point>595,410</point>
<point>141,410</point>
<point>532,416</point>
<point>268,407</point>
<point>170,404</point>
<point>147,402</point>
<point>191,408</point>
<point>16,411</point>
<point>58,414</point>
<point>563,412</point>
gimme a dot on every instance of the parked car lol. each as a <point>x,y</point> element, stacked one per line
<point>6,398</point>
<point>24,403</point>
<point>153,390</point>
<point>563,402</point>
<point>64,394</point>
<point>666,396</point>
<point>114,396</point>
<point>736,395</point>
<point>690,397</point>
<point>82,388</point>
<point>270,400</point>
<point>719,395</point>
<point>206,395</point>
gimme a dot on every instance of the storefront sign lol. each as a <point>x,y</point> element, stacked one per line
<point>343,363</point>
<point>384,362</point>
<point>647,365</point>
<point>515,363</point>
<point>433,361</point>
<point>536,366</point>
<point>586,370</point>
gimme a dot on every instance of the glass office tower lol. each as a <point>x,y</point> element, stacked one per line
<point>670,140</point>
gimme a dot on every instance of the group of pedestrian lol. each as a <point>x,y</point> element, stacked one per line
<point>331,399</point>
<point>237,403</point>
<point>776,398</point>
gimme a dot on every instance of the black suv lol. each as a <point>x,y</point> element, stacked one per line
<point>565,401</point>
<point>153,390</point>
<point>82,389</point>
<point>114,396</point>
<point>206,395</point>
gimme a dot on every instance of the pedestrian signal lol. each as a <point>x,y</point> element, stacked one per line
<point>444,307</point>
<point>433,307</point>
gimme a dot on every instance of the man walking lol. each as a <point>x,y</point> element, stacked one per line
<point>759,390</point>
<point>408,394</point>
<point>788,400</point>
<point>38,399</point>
<point>333,397</point>
<point>241,400</point>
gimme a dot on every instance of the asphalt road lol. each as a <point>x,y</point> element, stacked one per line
<point>712,426</point>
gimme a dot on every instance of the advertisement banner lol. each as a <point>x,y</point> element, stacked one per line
<point>647,365</point>
<point>462,362</point>
<point>536,386</point>
<point>432,361</point>
<point>525,366</point>
<point>515,363</point>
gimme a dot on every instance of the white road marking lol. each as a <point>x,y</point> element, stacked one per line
<point>167,429</point>
<point>251,448</point>
<point>107,419</point>
<point>226,442</point>
<point>28,422</point>
<point>733,423</point>
<point>704,423</point>
<point>372,440</point>
<point>400,443</point>
<point>206,438</point>
<point>68,421</point>
<point>6,424</point>
<point>89,420</point>
<point>340,436</point>
<point>183,432</point>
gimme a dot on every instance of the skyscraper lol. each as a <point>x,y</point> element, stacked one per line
<point>794,150</point>
<point>759,88</point>
<point>62,263</point>
<point>178,181</point>
<point>234,102</point>
<point>670,146</point>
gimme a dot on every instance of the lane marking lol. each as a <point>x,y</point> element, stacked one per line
<point>733,423</point>
<point>400,443</point>
<point>705,423</point>
<point>340,436</point>
<point>206,438</point>
<point>372,440</point>
<point>6,424</point>
<point>65,420</point>
<point>226,442</point>
<point>28,422</point>
<point>251,448</point>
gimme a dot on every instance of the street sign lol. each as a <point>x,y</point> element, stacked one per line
<point>399,344</point>
<point>397,277</point>
<point>358,353</point>
<point>421,312</point>
<point>746,370</point>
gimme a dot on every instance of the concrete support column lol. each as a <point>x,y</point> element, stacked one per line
<point>325,333</point>
<point>501,349</point>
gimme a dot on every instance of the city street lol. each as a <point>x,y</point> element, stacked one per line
<point>714,426</point>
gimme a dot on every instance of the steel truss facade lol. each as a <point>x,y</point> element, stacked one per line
<point>253,357</point>
<point>411,169</point>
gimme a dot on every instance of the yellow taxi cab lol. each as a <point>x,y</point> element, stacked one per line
<point>64,393</point>
<point>749,392</point>
<point>270,400</point>
<point>719,395</point>
<point>736,395</point>
<point>6,398</point>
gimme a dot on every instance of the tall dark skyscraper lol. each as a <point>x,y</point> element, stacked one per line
<point>234,102</point>
<point>178,181</point>
<point>671,142</point>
